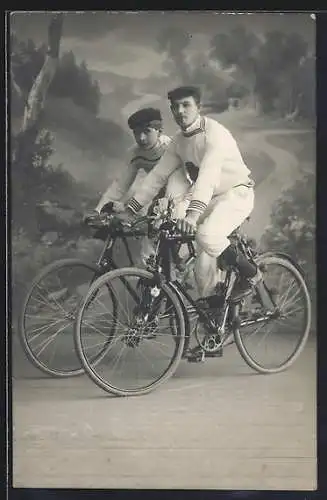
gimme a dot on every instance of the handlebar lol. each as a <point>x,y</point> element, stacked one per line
<point>167,227</point>
<point>105,220</point>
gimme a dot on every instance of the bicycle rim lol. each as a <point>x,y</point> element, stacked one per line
<point>271,343</point>
<point>142,355</point>
<point>45,331</point>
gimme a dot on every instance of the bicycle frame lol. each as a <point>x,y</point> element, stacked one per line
<point>162,269</point>
<point>105,259</point>
<point>106,262</point>
<point>166,257</point>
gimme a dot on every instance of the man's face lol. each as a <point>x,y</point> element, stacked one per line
<point>146,137</point>
<point>185,111</point>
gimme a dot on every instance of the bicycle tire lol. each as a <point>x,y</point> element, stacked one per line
<point>30,354</point>
<point>173,297</point>
<point>270,257</point>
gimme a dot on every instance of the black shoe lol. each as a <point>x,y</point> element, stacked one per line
<point>197,354</point>
<point>245,287</point>
<point>194,355</point>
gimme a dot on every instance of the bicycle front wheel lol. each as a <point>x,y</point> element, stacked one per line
<point>47,318</point>
<point>271,334</point>
<point>149,335</point>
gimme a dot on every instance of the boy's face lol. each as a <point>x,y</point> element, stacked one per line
<point>185,111</point>
<point>146,137</point>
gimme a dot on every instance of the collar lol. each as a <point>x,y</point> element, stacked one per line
<point>195,128</point>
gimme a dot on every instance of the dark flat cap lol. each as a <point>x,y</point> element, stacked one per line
<point>145,117</point>
<point>186,91</point>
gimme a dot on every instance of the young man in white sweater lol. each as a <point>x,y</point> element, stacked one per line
<point>147,126</point>
<point>210,174</point>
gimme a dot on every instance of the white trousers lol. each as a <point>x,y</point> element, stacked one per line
<point>224,214</point>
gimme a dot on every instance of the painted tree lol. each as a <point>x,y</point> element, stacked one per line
<point>213,80</point>
<point>237,51</point>
<point>74,81</point>
<point>44,224</point>
<point>293,224</point>
<point>268,67</point>
<point>32,145</point>
<point>174,42</point>
<point>278,61</point>
<point>31,123</point>
<point>306,87</point>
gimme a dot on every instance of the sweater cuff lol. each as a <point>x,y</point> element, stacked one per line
<point>197,206</point>
<point>134,205</point>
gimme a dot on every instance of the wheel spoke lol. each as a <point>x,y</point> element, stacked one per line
<point>46,325</point>
<point>143,350</point>
<point>275,344</point>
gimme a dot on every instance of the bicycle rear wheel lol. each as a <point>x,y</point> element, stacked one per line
<point>147,345</point>
<point>47,318</point>
<point>270,339</point>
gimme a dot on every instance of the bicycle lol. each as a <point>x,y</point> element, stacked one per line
<point>48,311</point>
<point>155,294</point>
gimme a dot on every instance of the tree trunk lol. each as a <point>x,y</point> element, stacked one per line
<point>251,98</point>
<point>15,87</point>
<point>37,96</point>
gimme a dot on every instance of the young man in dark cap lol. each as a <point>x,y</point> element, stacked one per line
<point>210,174</point>
<point>151,143</point>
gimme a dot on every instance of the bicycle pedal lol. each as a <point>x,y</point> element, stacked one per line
<point>198,357</point>
<point>196,360</point>
<point>217,354</point>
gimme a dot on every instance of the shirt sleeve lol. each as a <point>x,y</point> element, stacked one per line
<point>156,179</point>
<point>210,169</point>
<point>118,187</point>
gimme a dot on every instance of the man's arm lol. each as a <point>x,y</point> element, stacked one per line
<point>155,180</point>
<point>118,187</point>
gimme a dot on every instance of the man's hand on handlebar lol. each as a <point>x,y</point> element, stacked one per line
<point>118,207</point>
<point>127,217</point>
<point>187,226</point>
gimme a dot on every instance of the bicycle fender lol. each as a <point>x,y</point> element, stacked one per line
<point>287,257</point>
